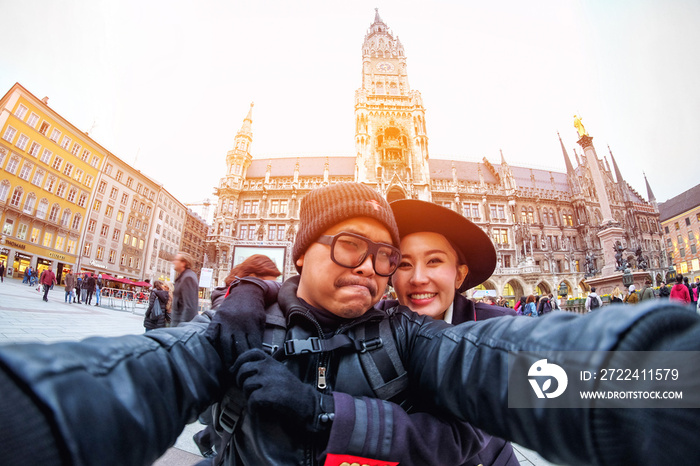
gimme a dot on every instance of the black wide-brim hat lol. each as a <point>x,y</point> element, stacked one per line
<point>474,246</point>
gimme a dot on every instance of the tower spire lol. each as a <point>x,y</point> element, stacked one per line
<point>618,175</point>
<point>567,161</point>
<point>247,126</point>
<point>650,193</point>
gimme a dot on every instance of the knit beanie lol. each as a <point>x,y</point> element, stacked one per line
<point>324,207</point>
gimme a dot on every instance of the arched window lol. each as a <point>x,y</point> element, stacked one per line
<point>4,189</point>
<point>65,218</point>
<point>530,216</point>
<point>16,196</point>
<point>76,222</point>
<point>29,203</point>
<point>42,209</point>
<point>545,217</point>
<point>523,216</point>
<point>551,215</point>
<point>55,209</point>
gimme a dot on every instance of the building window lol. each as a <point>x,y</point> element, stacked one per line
<point>71,195</point>
<point>125,198</point>
<point>68,169</point>
<point>92,226</point>
<point>96,206</point>
<point>65,218</point>
<point>29,203</point>
<point>9,134</point>
<point>46,156</point>
<point>22,231</point>
<point>8,228</point>
<point>44,128</point>
<point>104,231</point>
<point>16,196</point>
<point>21,111</point>
<point>47,239</point>
<point>65,143</point>
<point>112,256</point>
<point>120,216</point>
<point>140,244</point>
<point>246,207</point>
<point>115,235</point>
<point>86,249</point>
<point>4,189</point>
<point>76,149</point>
<point>82,200</point>
<point>500,235</point>
<point>60,191</point>
<point>22,141</point>
<point>95,161</point>
<point>12,165</point>
<point>88,181</point>
<point>38,177</point>
<point>148,211</point>
<point>55,134</point>
<point>471,211</point>
<point>129,182</point>
<point>114,193</point>
<point>42,209</point>
<point>34,149</point>
<point>25,171</point>
<point>59,243</point>
<point>126,239</point>
<point>56,165</point>
<point>86,155</point>
<point>102,187</point>
<point>100,253</point>
<point>687,221</point>
<point>108,211</point>
<point>70,247</point>
<point>33,119</point>
<point>34,238</point>
<point>76,222</point>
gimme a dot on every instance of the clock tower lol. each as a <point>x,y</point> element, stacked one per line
<point>390,135</point>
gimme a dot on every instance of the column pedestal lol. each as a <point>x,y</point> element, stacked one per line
<point>608,237</point>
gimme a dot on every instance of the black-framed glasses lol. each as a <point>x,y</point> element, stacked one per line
<point>350,250</point>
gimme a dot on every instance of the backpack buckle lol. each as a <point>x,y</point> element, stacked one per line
<point>310,345</point>
<point>270,349</point>
<point>371,344</point>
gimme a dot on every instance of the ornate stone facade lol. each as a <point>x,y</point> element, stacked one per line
<point>544,224</point>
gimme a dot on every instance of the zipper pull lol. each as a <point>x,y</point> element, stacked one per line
<point>321,377</point>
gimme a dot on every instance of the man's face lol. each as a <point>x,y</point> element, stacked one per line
<point>178,264</point>
<point>345,292</point>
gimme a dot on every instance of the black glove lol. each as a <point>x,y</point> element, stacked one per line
<point>239,322</point>
<point>271,389</point>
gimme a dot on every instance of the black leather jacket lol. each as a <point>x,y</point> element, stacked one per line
<point>124,400</point>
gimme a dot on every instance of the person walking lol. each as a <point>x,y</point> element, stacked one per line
<point>530,309</point>
<point>90,288</point>
<point>593,301</point>
<point>27,274</point>
<point>2,272</point>
<point>679,292</point>
<point>47,280</point>
<point>84,288</point>
<point>98,287</point>
<point>647,291</point>
<point>664,292</point>
<point>150,320</point>
<point>632,297</point>
<point>69,284</point>
<point>185,297</point>
<point>78,287</point>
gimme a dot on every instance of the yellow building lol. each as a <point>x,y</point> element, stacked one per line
<point>680,220</point>
<point>48,169</point>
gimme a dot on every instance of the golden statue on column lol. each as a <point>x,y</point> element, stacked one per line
<point>579,126</point>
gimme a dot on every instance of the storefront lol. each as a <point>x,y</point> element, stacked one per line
<point>4,254</point>
<point>18,256</point>
<point>21,262</point>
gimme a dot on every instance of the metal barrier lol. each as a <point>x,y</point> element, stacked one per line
<point>124,300</point>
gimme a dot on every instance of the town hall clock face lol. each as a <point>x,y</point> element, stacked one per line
<point>385,67</point>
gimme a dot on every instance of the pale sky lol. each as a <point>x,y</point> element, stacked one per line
<point>165,85</point>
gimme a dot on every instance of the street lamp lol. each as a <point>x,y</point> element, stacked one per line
<point>627,278</point>
<point>671,274</point>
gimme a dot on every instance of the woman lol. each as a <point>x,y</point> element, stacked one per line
<point>258,265</point>
<point>530,306</point>
<point>442,255</point>
<point>616,296</point>
<point>679,292</point>
<point>151,321</point>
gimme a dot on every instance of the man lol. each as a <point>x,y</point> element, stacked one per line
<point>47,279</point>
<point>185,297</point>
<point>151,385</point>
<point>647,291</point>
<point>69,284</point>
<point>98,287</point>
<point>2,272</point>
<point>664,292</point>
<point>90,288</point>
<point>593,301</point>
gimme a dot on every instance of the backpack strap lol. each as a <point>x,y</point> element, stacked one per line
<point>380,359</point>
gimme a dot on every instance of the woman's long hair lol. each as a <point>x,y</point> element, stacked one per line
<point>257,265</point>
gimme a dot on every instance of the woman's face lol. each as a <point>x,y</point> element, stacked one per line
<point>428,274</point>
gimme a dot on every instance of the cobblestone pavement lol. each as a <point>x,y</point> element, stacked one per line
<point>26,318</point>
